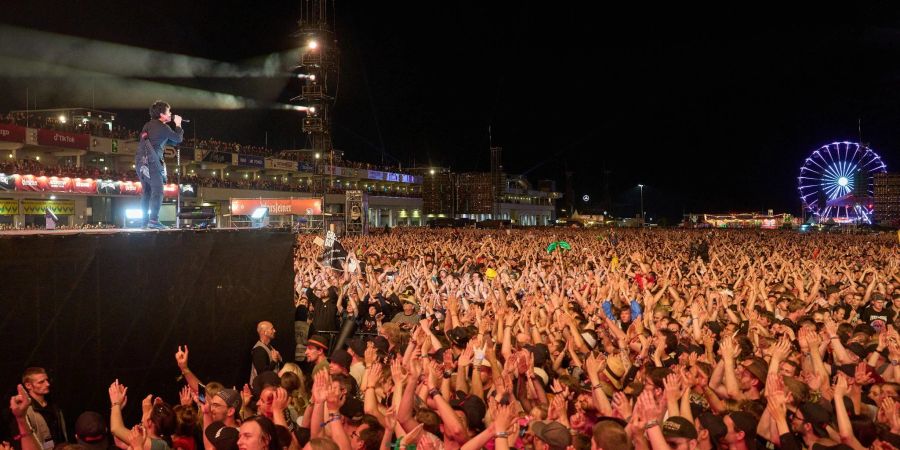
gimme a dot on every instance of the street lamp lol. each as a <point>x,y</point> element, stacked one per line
<point>642,202</point>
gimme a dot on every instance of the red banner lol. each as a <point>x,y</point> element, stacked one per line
<point>56,184</point>
<point>63,139</point>
<point>84,186</point>
<point>27,183</point>
<point>130,188</point>
<point>277,206</point>
<point>12,133</point>
<point>170,190</point>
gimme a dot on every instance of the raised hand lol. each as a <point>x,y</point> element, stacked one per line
<point>20,402</point>
<point>280,400</point>
<point>673,387</point>
<point>138,437</point>
<point>841,386</point>
<point>246,394</point>
<point>117,394</point>
<point>181,357</point>
<point>622,405</point>
<point>185,397</point>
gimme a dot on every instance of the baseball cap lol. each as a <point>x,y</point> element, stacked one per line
<point>222,437</point>
<point>90,427</point>
<point>679,427</point>
<point>554,434</point>
<point>231,397</point>
<point>473,408</point>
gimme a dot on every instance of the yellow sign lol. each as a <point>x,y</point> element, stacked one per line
<point>9,207</point>
<point>38,207</point>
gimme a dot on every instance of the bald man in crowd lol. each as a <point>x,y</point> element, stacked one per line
<point>264,357</point>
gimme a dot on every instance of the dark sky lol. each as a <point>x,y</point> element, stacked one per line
<point>713,109</point>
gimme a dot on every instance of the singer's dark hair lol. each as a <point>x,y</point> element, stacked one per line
<point>158,108</point>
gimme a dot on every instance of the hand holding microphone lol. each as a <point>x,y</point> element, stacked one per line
<point>177,119</point>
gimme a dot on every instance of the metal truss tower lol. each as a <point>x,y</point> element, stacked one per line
<point>319,68</point>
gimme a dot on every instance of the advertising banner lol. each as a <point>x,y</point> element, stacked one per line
<point>130,187</point>
<point>107,187</point>
<point>38,207</point>
<point>28,183</point>
<point>219,157</point>
<point>84,186</point>
<point>189,190</point>
<point>281,164</point>
<point>54,138</point>
<point>170,191</point>
<point>277,206</point>
<point>9,207</point>
<point>56,184</point>
<point>12,133</point>
<point>251,161</point>
<point>7,182</point>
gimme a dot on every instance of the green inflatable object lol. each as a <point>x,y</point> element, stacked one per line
<point>558,245</point>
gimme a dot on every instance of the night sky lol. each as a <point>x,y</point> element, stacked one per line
<point>712,108</point>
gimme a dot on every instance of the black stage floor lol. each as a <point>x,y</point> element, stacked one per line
<point>95,305</point>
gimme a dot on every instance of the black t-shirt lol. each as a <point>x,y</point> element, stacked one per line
<point>875,318</point>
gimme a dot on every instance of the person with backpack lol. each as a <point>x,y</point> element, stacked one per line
<point>149,162</point>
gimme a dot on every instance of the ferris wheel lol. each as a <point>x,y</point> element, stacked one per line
<point>836,182</point>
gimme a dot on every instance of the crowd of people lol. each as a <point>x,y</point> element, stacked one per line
<point>33,167</point>
<point>51,121</point>
<point>618,340</point>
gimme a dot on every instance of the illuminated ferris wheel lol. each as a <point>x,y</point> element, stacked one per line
<point>836,182</point>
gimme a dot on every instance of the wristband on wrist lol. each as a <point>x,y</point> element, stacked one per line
<point>651,423</point>
<point>502,434</point>
<point>434,392</point>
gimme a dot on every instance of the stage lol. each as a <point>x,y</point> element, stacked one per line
<point>95,305</point>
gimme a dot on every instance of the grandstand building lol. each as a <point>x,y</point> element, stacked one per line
<point>76,163</point>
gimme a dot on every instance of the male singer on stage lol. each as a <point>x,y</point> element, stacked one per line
<point>150,163</point>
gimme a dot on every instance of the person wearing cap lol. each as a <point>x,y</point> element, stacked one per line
<point>316,347</point>
<point>551,436</point>
<point>876,314</point>
<point>679,433</point>
<point>91,431</point>
<point>225,406</point>
<point>263,355</point>
<point>221,436</point>
<point>340,363</point>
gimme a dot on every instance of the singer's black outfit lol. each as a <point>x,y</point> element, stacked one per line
<point>153,178</point>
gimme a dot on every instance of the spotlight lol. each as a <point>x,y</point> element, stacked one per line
<point>133,214</point>
<point>62,118</point>
<point>52,197</point>
<point>318,155</point>
<point>312,45</point>
<point>431,171</point>
<point>260,217</point>
<point>312,109</point>
<point>312,77</point>
<point>38,158</point>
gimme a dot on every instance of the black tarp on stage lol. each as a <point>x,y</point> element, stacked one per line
<point>95,307</point>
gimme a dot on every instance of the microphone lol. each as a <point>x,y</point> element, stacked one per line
<point>185,120</point>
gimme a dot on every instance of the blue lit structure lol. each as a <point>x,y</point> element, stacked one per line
<point>836,182</point>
